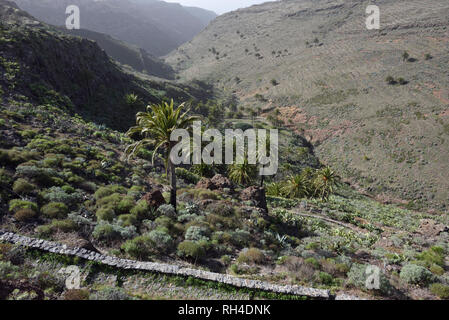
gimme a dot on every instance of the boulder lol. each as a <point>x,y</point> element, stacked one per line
<point>255,194</point>
<point>221,182</point>
<point>431,228</point>
<point>205,183</point>
<point>154,198</point>
<point>218,182</point>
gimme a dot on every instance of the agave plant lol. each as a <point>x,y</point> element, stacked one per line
<point>155,126</point>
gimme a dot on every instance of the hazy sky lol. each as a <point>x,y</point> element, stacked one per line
<point>219,6</point>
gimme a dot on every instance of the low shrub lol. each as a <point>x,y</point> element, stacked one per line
<point>434,255</point>
<point>436,269</point>
<point>18,204</point>
<point>55,210</point>
<point>105,214</point>
<point>221,208</point>
<point>15,157</point>
<point>105,232</point>
<point>42,176</point>
<point>195,233</point>
<point>167,210</point>
<point>142,210</point>
<point>76,294</point>
<point>125,205</point>
<point>191,249</point>
<point>8,271</point>
<point>251,256</point>
<point>187,176</point>
<point>25,215</point>
<point>23,187</point>
<point>58,194</point>
<point>108,190</point>
<point>66,225</point>
<point>140,247</point>
<point>128,220</point>
<point>440,290</point>
<point>414,274</point>
<point>325,278</point>
<point>358,277</point>
<point>162,240</point>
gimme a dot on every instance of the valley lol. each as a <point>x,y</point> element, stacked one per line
<point>363,148</point>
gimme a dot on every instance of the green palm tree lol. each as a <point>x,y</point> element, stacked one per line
<point>155,126</point>
<point>244,173</point>
<point>325,182</point>
<point>296,187</point>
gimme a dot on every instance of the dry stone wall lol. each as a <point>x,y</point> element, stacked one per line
<point>58,248</point>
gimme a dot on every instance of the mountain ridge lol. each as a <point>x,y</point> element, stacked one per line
<point>156,26</point>
<point>316,63</point>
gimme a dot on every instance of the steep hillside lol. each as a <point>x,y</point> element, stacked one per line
<point>326,74</point>
<point>43,64</point>
<point>127,54</point>
<point>64,177</point>
<point>156,26</point>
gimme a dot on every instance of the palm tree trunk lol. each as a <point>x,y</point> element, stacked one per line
<point>173,184</point>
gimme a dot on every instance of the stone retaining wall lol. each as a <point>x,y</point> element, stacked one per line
<point>57,248</point>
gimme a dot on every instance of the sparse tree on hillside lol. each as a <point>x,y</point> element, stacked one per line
<point>325,182</point>
<point>296,187</point>
<point>405,56</point>
<point>155,127</point>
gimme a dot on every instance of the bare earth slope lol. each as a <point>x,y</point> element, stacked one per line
<point>330,79</point>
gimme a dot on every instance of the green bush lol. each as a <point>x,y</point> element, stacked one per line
<point>195,233</point>
<point>23,187</point>
<point>313,262</point>
<point>57,225</point>
<point>55,210</point>
<point>190,249</point>
<point>105,232</point>
<point>436,269</point>
<point>162,240</point>
<point>434,255</point>
<point>187,176</point>
<point>128,220</point>
<point>112,200</point>
<point>108,190</point>
<point>8,271</point>
<point>440,290</point>
<point>125,205</point>
<point>221,208</point>
<point>142,210</point>
<point>105,214</point>
<point>15,157</point>
<point>325,278</point>
<point>167,210</point>
<point>252,255</point>
<point>43,176</point>
<point>25,215</point>
<point>140,247</point>
<point>17,204</point>
<point>58,194</point>
<point>414,274</point>
<point>357,277</point>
